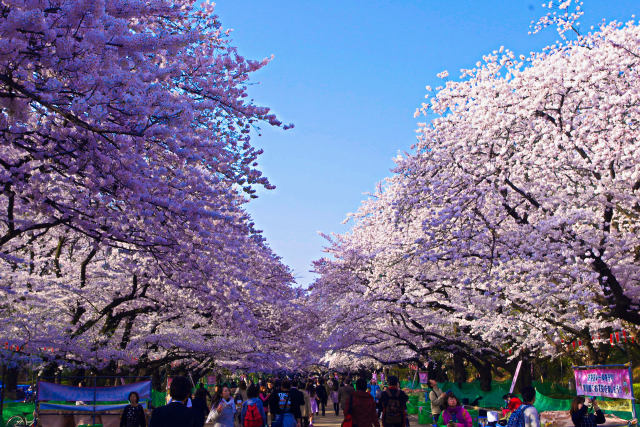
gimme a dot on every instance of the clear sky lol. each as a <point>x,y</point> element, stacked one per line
<point>349,74</point>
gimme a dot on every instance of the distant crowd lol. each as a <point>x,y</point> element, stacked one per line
<point>276,402</point>
<point>298,402</point>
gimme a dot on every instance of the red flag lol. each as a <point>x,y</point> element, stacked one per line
<point>611,338</point>
<point>617,336</point>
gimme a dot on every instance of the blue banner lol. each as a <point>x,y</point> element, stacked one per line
<point>51,391</point>
<point>85,408</point>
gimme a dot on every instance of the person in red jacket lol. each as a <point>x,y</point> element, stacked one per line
<point>512,403</point>
<point>361,406</point>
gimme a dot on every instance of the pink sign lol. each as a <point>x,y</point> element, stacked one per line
<point>604,382</point>
<point>424,377</point>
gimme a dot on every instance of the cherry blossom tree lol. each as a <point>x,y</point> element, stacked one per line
<point>511,225</point>
<point>124,166</point>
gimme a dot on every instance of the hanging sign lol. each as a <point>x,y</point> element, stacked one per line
<point>604,382</point>
<point>424,378</point>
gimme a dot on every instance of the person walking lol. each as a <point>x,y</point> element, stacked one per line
<point>335,397</point>
<point>362,406</point>
<point>133,414</point>
<point>252,413</point>
<point>344,392</point>
<point>531,415</point>
<point>200,406</point>
<point>323,395</point>
<point>313,402</point>
<point>581,416</point>
<point>394,404</point>
<point>285,406</point>
<point>313,397</point>
<point>223,409</point>
<point>176,412</point>
<point>375,391</point>
<point>454,414</point>
<point>264,397</point>
<point>436,397</point>
<point>241,391</point>
<point>305,408</point>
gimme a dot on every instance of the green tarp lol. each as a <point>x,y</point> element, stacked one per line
<point>544,403</point>
<point>158,398</point>
<point>10,409</point>
<point>472,391</point>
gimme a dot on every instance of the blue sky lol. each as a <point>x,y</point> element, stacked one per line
<point>349,74</point>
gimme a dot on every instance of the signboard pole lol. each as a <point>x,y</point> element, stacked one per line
<point>515,377</point>
<point>633,397</point>
<point>95,390</point>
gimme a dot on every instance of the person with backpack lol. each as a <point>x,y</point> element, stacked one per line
<point>454,414</point>
<point>526,415</point>
<point>511,403</point>
<point>252,413</point>
<point>284,406</point>
<point>362,407</point>
<point>394,405</point>
<point>531,415</point>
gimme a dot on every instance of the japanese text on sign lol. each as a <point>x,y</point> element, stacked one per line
<point>604,382</point>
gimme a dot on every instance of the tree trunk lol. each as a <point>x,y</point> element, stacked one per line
<point>524,379</point>
<point>12,384</point>
<point>459,370</point>
<point>484,371</point>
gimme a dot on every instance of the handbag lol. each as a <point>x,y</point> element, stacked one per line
<point>213,415</point>
<point>348,419</point>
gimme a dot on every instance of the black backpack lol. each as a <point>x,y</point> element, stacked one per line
<point>393,413</point>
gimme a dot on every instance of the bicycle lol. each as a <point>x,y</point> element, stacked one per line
<point>21,421</point>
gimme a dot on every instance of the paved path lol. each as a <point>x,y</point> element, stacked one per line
<point>330,420</point>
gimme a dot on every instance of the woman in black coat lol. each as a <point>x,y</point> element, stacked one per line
<point>199,405</point>
<point>580,413</point>
<point>133,414</point>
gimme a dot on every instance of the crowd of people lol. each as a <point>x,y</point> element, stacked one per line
<point>300,401</point>
<point>276,402</point>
